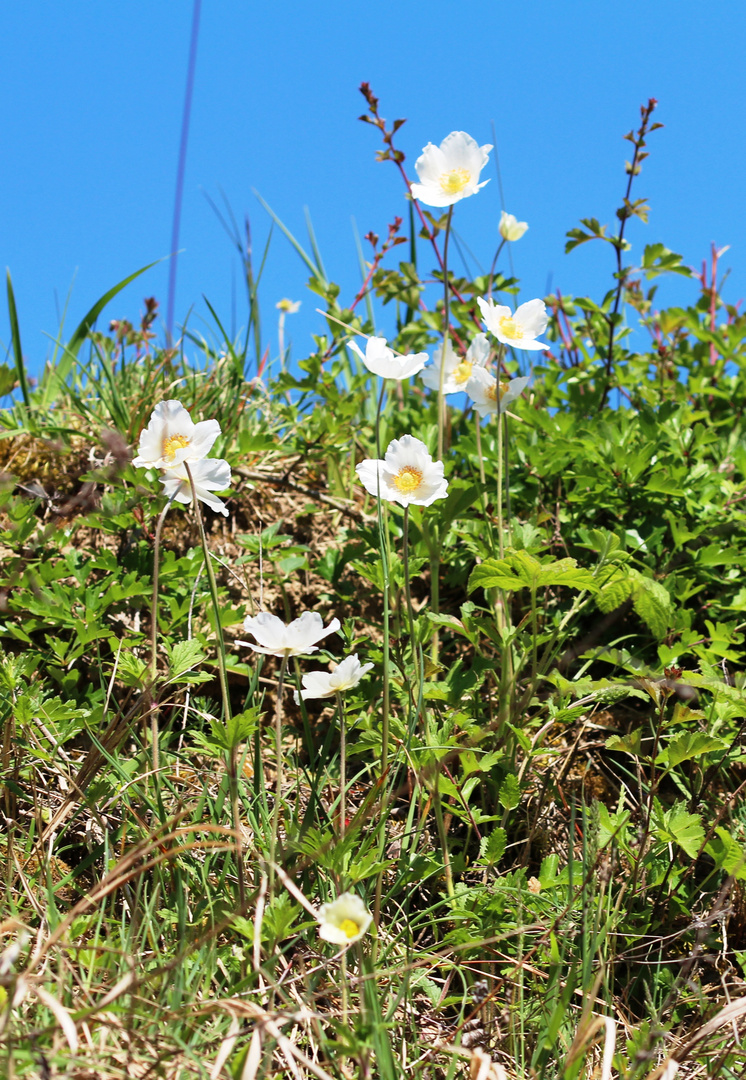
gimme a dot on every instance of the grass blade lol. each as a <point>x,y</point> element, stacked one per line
<point>16,335</point>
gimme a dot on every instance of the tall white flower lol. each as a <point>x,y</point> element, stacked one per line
<point>489,395</point>
<point>406,475</point>
<point>172,437</point>
<point>510,228</point>
<point>209,475</point>
<point>297,638</point>
<point>383,361</point>
<point>520,329</point>
<point>323,684</point>
<point>345,920</point>
<point>457,369</point>
<point>450,172</point>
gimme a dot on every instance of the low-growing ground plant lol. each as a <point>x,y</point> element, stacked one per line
<point>380,712</point>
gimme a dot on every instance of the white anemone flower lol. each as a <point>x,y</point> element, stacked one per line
<point>297,638</point>
<point>323,684</point>
<point>489,395</point>
<point>510,228</point>
<point>383,361</point>
<point>345,920</point>
<point>406,475</point>
<point>457,369</point>
<point>450,172</point>
<point>172,437</point>
<point>209,475</point>
<point>520,329</point>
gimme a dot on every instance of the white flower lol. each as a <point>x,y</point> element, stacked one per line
<point>458,371</point>
<point>406,475</point>
<point>172,437</point>
<point>209,474</point>
<point>323,684</point>
<point>383,361</point>
<point>510,228</point>
<point>345,920</point>
<point>450,172</point>
<point>288,307</point>
<point>491,396</point>
<point>519,330</point>
<point>296,639</point>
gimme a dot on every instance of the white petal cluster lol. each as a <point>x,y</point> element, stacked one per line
<point>519,329</point>
<point>344,920</point>
<point>323,684</point>
<point>510,228</point>
<point>170,442</point>
<point>450,172</point>
<point>458,370</point>
<point>489,395</point>
<point>297,638</point>
<point>383,361</point>
<point>407,475</point>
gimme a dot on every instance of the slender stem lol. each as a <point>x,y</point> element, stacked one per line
<point>342,768</point>
<point>223,674</point>
<point>438,808</point>
<point>408,595</point>
<point>383,546</point>
<point>480,455</point>
<point>500,463</point>
<point>446,319</point>
<point>500,246</point>
<point>155,749</point>
<point>279,776</point>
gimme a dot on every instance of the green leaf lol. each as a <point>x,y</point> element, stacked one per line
<point>15,333</point>
<point>688,745</point>
<point>520,570</point>
<point>510,792</point>
<point>630,743</point>
<point>492,847</point>
<point>729,855</point>
<point>680,827</point>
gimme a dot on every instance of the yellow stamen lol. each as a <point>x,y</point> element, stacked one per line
<point>451,183</point>
<point>462,373</point>
<point>408,479</point>
<point>511,328</point>
<point>172,444</point>
<point>349,928</point>
<point>495,391</point>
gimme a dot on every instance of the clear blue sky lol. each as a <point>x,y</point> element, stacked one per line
<point>92,97</point>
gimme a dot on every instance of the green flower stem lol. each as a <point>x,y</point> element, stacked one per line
<point>441,384</point>
<point>154,741</point>
<point>500,465</point>
<point>385,704</point>
<point>408,595</point>
<point>279,777</point>
<point>223,673</point>
<point>438,808</point>
<point>342,768</point>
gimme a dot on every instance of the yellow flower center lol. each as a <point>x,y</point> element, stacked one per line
<point>172,444</point>
<point>408,479</point>
<point>496,390</point>
<point>349,927</point>
<point>462,373</point>
<point>453,182</point>
<point>511,328</point>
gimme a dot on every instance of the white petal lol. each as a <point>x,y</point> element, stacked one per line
<point>532,316</point>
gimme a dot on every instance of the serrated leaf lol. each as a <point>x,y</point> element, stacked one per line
<point>184,656</point>
<point>688,745</point>
<point>492,847</point>
<point>680,827</point>
<point>510,792</point>
<point>630,743</point>
<point>728,854</point>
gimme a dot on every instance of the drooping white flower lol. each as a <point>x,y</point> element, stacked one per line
<point>344,920</point>
<point>323,684</point>
<point>209,475</point>
<point>520,329</point>
<point>458,370</point>
<point>172,437</point>
<point>383,361</point>
<point>450,172</point>
<point>510,228</point>
<point>406,475</point>
<point>489,395</point>
<point>297,638</point>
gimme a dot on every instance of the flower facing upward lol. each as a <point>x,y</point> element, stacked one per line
<point>345,920</point>
<point>406,475</point>
<point>491,396</point>
<point>458,370</point>
<point>172,437</point>
<point>288,307</point>
<point>509,228</point>
<point>209,474</point>
<point>383,361</point>
<point>323,684</point>
<point>520,329</point>
<point>450,172</point>
<point>298,638</point>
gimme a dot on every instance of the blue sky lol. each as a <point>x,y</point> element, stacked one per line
<point>92,97</point>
